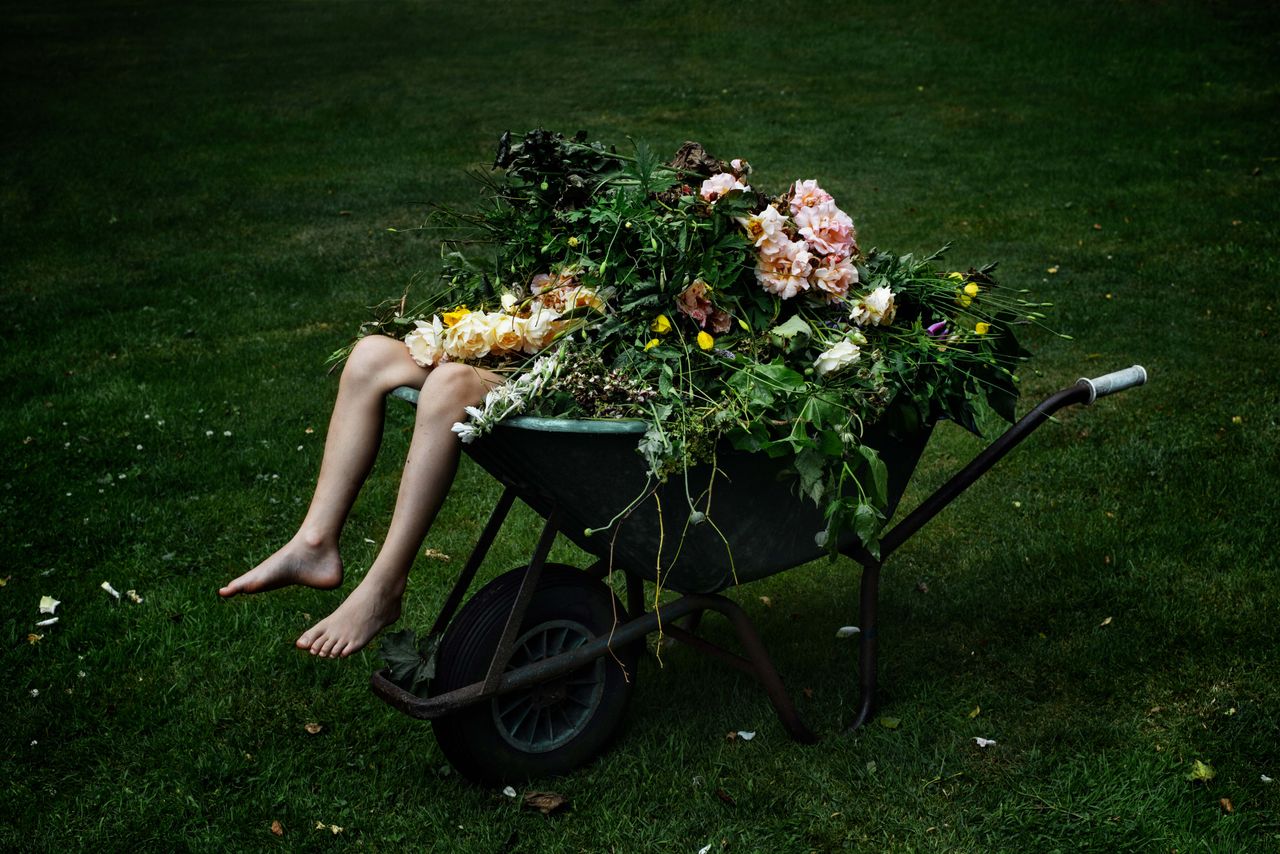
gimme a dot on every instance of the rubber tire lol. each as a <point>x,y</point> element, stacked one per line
<point>469,738</point>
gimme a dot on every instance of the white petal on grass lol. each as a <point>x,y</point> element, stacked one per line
<point>704,849</point>
<point>133,597</point>
<point>983,742</point>
<point>48,604</point>
<point>1264,778</point>
<point>745,735</point>
<point>847,631</point>
<point>106,585</point>
<point>48,622</point>
<point>509,791</point>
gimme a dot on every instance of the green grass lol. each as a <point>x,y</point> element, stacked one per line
<point>195,200</point>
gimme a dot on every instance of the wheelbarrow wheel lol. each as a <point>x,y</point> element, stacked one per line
<point>549,728</point>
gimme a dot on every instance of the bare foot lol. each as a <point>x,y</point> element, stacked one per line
<point>368,610</point>
<point>311,564</point>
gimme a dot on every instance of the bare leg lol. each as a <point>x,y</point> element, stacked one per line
<point>428,473</point>
<point>376,366</point>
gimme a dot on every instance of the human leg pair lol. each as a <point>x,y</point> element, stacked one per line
<point>377,365</point>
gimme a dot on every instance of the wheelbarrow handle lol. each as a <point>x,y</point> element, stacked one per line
<point>1113,382</point>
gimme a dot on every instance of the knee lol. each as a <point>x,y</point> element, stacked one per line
<point>452,385</point>
<point>372,359</point>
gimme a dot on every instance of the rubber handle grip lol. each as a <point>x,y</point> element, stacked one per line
<point>1114,382</point>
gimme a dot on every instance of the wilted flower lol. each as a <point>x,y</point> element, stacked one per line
<point>705,341</point>
<point>982,328</point>
<point>875,309</point>
<point>661,324</point>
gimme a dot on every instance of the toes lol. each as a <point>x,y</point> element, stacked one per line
<point>327,647</point>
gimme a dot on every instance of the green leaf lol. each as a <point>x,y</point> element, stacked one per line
<point>879,474</point>
<point>1201,772</point>
<point>411,666</point>
<point>810,465</point>
<point>866,523</point>
<point>793,327</point>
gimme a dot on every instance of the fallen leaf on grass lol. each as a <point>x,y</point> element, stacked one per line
<point>313,728</point>
<point>1225,803</point>
<point>1265,779</point>
<point>766,601</point>
<point>277,828</point>
<point>889,723</point>
<point>436,554</point>
<point>847,631</point>
<point>704,849</point>
<point>5,580</point>
<point>745,735</point>
<point>509,791</point>
<point>977,710</point>
<point>34,639</point>
<point>725,797</point>
<point>983,742</point>
<point>48,622</point>
<point>48,604</point>
<point>922,587</point>
<point>1105,622</point>
<point>133,597</point>
<point>1201,772</point>
<point>115,594</point>
<point>332,828</point>
<point>808,693</point>
<point>546,803</point>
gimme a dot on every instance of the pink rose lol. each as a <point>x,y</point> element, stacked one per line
<point>807,194</point>
<point>766,230</point>
<point>785,272</point>
<point>715,187</point>
<point>828,229</point>
<point>834,275</point>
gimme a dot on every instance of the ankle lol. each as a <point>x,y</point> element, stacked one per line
<point>316,539</point>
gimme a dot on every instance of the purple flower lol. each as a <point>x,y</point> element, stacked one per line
<point>937,330</point>
<point>726,354</point>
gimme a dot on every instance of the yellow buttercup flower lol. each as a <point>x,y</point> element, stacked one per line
<point>972,289</point>
<point>705,341</point>
<point>573,242</point>
<point>959,277</point>
<point>982,328</point>
<point>452,317</point>
<point>661,324</point>
<point>653,342</point>
<point>964,300</point>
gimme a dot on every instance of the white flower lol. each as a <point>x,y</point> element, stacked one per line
<point>842,354</point>
<point>509,302</point>
<point>765,230</point>
<point>716,186</point>
<point>875,309</point>
<point>466,432</point>
<point>48,604</point>
<point>983,742</point>
<point>426,342</point>
<point>539,328</point>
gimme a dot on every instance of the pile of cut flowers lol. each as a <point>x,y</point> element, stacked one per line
<point>606,284</point>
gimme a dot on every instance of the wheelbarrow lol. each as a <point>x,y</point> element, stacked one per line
<point>534,672</point>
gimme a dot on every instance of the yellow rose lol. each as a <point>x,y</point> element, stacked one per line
<point>661,325</point>
<point>982,328</point>
<point>972,289</point>
<point>653,342</point>
<point>452,317</point>
<point>705,341</point>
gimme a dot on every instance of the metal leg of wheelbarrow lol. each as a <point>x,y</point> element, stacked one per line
<point>934,504</point>
<point>756,660</point>
<point>868,642</point>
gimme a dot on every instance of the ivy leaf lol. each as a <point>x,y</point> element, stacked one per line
<point>410,664</point>
<point>866,522</point>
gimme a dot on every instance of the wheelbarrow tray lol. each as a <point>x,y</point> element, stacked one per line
<point>757,522</point>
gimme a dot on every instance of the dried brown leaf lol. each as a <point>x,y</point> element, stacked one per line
<point>547,803</point>
<point>277,828</point>
<point>313,728</point>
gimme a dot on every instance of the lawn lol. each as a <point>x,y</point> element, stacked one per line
<point>196,203</point>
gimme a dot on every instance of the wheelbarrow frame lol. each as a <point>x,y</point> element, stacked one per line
<point>754,658</point>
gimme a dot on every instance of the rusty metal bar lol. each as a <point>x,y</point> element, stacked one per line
<point>506,646</point>
<point>487,536</point>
